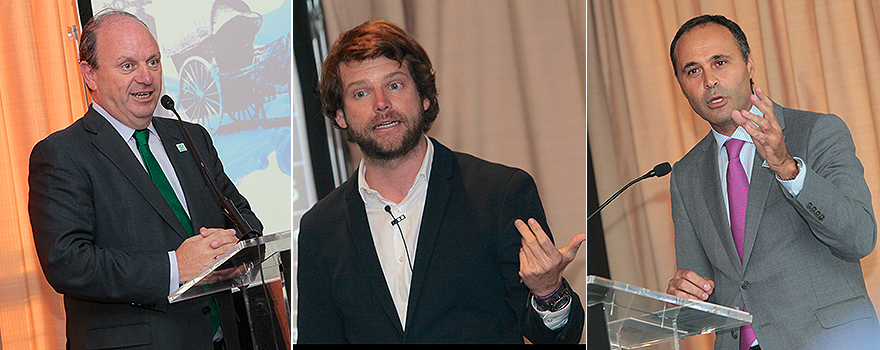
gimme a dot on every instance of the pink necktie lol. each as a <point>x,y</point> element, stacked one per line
<point>737,198</point>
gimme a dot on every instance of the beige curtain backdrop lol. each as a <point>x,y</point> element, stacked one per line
<point>810,54</point>
<point>511,78</point>
<point>40,92</point>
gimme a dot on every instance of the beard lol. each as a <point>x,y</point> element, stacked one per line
<point>400,149</point>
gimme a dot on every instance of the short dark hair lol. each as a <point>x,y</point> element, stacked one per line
<point>374,39</point>
<point>88,41</point>
<point>734,28</point>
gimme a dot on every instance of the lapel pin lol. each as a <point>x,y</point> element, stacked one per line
<point>764,164</point>
<point>182,148</point>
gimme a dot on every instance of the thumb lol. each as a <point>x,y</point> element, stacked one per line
<point>570,251</point>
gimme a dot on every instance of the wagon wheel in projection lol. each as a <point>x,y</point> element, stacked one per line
<point>200,94</point>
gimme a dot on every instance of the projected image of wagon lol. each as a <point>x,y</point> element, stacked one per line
<point>223,78</point>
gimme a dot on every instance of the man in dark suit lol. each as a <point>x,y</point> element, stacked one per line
<point>107,237</point>
<point>422,244</point>
<point>784,241</point>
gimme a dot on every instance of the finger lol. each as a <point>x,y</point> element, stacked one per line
<point>529,239</point>
<point>747,121</point>
<point>570,251</point>
<point>543,239</point>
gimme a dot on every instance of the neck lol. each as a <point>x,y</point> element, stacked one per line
<point>394,177</point>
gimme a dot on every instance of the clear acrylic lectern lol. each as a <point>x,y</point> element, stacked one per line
<point>637,317</point>
<point>255,268</point>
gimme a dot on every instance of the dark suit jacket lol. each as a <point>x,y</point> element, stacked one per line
<point>465,286</point>
<point>800,276</point>
<point>103,231</point>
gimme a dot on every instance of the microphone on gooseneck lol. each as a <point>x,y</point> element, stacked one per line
<point>244,228</point>
<point>659,170</point>
<point>395,221</point>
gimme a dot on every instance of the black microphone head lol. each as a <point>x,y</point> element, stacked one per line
<point>167,102</point>
<point>388,210</point>
<point>662,169</point>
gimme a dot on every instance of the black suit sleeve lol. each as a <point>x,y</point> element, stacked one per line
<point>521,201</point>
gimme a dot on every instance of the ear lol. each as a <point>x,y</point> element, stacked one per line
<point>425,104</point>
<point>751,64</point>
<point>340,119</point>
<point>88,74</point>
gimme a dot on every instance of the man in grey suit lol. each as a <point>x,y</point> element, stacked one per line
<point>107,235</point>
<point>783,243</point>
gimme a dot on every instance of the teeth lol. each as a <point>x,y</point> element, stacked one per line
<point>716,100</point>
<point>142,94</point>
<point>386,125</point>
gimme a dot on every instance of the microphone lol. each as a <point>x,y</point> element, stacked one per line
<point>395,222</point>
<point>659,170</point>
<point>244,229</point>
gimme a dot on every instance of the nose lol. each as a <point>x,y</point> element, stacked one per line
<point>144,76</point>
<point>381,103</point>
<point>710,80</point>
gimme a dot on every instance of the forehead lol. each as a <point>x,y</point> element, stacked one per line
<point>122,36</point>
<point>371,69</point>
<point>704,41</point>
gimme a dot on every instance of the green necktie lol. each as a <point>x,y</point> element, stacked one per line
<point>142,137</point>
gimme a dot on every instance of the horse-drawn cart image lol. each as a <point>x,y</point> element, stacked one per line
<point>224,78</point>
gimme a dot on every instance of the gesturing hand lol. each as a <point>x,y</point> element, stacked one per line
<point>766,133</point>
<point>540,263</point>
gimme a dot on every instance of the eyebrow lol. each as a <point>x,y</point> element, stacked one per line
<point>713,58</point>
<point>363,81</point>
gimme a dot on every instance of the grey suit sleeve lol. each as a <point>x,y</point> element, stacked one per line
<point>835,200</point>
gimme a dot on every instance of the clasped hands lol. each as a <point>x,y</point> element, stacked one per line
<point>540,263</point>
<point>198,251</point>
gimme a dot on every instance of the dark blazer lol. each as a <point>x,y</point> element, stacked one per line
<point>465,284</point>
<point>800,276</point>
<point>103,231</point>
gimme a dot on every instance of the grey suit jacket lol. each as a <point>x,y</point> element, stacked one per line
<point>102,232</point>
<point>800,276</point>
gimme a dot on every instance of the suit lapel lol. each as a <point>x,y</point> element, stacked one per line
<point>762,183</point>
<point>436,200</point>
<point>359,233</point>
<point>185,166</point>
<point>107,140</point>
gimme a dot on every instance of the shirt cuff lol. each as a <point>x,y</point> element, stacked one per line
<point>553,320</point>
<point>174,280</point>
<point>795,185</point>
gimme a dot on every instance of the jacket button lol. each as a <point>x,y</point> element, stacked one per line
<point>745,285</point>
<point>733,333</point>
<point>206,310</point>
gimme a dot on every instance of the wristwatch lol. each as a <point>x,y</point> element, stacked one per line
<point>555,301</point>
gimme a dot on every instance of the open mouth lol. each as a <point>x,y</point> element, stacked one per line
<point>386,125</point>
<point>716,101</point>
<point>142,95</point>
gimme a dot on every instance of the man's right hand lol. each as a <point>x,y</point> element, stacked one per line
<point>688,284</point>
<point>198,251</point>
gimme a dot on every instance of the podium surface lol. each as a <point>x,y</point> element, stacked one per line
<point>637,317</point>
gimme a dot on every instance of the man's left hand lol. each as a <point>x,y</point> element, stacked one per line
<point>766,133</point>
<point>540,263</point>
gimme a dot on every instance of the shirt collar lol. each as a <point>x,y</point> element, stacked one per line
<point>124,130</point>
